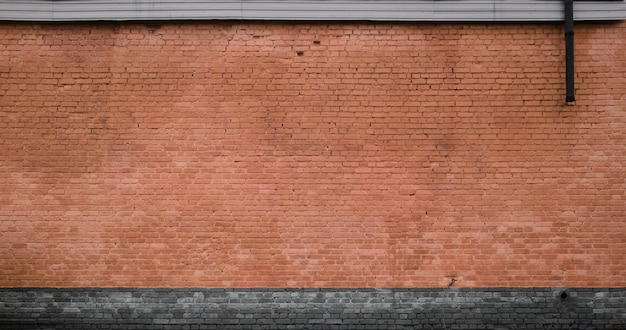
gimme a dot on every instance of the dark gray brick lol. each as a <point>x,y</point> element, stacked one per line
<point>175,309</point>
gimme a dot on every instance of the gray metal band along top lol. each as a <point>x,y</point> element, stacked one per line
<point>309,10</point>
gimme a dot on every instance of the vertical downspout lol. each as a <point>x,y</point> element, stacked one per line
<point>569,51</point>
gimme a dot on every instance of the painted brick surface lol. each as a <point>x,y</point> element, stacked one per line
<point>312,309</point>
<point>238,154</point>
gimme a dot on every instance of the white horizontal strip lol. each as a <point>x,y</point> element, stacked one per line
<point>377,10</point>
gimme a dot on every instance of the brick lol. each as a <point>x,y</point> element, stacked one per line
<point>385,155</point>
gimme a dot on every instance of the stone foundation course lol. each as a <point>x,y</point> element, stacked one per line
<point>501,309</point>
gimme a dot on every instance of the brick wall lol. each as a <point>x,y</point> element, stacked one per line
<point>503,309</point>
<point>235,154</point>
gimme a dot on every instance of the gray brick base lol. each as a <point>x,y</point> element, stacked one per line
<point>92,308</point>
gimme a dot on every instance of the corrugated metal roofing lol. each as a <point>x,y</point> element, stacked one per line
<point>377,10</point>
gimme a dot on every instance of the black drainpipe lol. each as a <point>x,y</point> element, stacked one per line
<point>569,51</point>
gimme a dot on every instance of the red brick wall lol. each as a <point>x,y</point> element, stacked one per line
<point>311,155</point>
